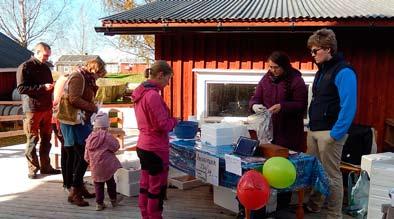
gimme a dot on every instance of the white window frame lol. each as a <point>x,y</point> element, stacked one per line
<point>66,69</point>
<point>242,76</point>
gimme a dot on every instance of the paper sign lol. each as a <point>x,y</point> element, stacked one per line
<point>207,168</point>
<point>233,164</point>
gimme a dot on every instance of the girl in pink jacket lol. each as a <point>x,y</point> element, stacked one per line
<point>100,154</point>
<point>154,123</point>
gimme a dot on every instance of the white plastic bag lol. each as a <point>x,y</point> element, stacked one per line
<point>359,193</point>
<point>261,122</point>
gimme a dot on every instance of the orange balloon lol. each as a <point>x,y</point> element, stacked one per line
<point>253,190</point>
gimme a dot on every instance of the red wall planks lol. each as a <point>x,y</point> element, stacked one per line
<point>372,59</point>
<point>7,85</point>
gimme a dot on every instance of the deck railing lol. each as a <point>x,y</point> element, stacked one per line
<point>10,118</point>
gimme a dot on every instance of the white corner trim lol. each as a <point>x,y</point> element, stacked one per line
<point>8,69</point>
<point>240,72</point>
<point>238,76</point>
<point>206,76</point>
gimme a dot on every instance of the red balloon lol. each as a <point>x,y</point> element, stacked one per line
<point>253,190</point>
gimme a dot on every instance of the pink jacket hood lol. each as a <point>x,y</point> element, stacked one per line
<point>100,154</point>
<point>153,117</point>
<point>144,87</point>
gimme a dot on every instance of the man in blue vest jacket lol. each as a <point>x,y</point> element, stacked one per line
<point>331,113</point>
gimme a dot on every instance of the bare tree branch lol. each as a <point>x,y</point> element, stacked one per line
<point>121,48</point>
<point>139,45</point>
<point>27,20</point>
<point>7,30</point>
<point>33,16</point>
<point>47,26</point>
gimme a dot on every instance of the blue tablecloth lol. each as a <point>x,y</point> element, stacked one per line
<point>310,172</point>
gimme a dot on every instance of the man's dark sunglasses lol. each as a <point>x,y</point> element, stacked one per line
<point>314,51</point>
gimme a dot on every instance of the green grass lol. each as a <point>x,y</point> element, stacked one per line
<point>114,79</point>
<point>117,76</point>
<point>121,78</point>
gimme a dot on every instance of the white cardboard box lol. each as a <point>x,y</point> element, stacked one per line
<point>218,134</point>
<point>368,160</point>
<point>381,180</point>
<point>129,159</point>
<point>225,198</point>
<point>127,189</point>
<point>127,176</point>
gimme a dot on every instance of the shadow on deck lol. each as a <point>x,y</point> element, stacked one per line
<point>44,197</point>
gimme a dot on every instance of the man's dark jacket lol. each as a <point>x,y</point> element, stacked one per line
<point>31,78</point>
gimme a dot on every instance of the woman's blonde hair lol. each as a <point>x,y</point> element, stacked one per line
<point>157,67</point>
<point>95,66</point>
<point>324,38</point>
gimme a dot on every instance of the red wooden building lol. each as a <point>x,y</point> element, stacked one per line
<point>209,43</point>
<point>132,67</point>
<point>11,56</point>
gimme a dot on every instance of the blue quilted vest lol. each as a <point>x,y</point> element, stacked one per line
<point>325,104</point>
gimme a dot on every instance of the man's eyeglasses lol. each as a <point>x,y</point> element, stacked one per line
<point>314,51</point>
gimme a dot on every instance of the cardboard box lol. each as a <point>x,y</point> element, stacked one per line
<point>368,160</point>
<point>218,134</point>
<point>128,189</point>
<point>129,160</point>
<point>185,182</point>
<point>225,198</point>
<point>381,182</point>
<point>127,176</point>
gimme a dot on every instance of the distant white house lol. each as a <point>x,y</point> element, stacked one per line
<point>126,67</point>
<point>67,63</point>
<point>112,67</point>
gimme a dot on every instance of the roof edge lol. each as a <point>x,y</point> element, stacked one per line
<point>152,28</point>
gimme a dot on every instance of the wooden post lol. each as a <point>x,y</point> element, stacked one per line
<point>247,213</point>
<point>300,204</point>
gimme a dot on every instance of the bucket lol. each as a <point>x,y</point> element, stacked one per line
<point>186,129</point>
<point>16,95</point>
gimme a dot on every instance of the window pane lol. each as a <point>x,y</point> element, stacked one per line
<point>229,99</point>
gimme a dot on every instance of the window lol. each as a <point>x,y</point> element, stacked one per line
<point>229,99</point>
<point>67,69</point>
<point>112,68</point>
<point>308,77</point>
<point>225,94</point>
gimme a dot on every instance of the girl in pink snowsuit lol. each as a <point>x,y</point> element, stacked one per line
<point>154,123</point>
<point>100,154</point>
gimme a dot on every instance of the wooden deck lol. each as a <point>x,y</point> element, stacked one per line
<point>21,197</point>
